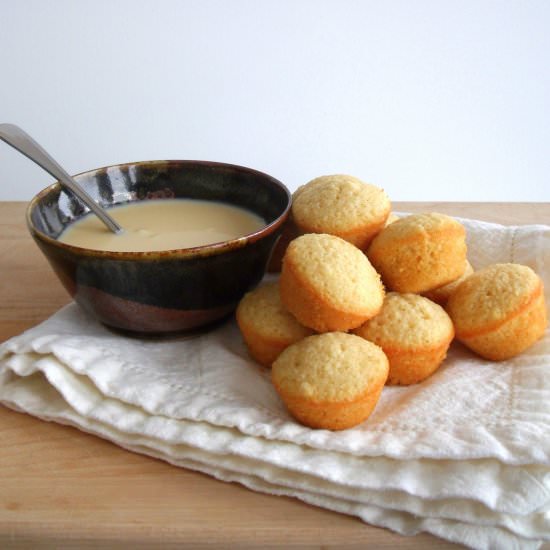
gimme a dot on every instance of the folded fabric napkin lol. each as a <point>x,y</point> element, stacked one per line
<point>464,455</point>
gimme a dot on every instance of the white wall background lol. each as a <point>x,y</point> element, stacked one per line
<point>432,100</point>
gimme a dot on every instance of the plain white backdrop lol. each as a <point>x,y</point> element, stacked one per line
<point>432,100</point>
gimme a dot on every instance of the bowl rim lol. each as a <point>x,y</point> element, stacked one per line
<point>191,252</point>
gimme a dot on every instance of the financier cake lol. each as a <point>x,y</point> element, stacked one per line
<point>267,327</point>
<point>415,334</point>
<point>341,205</point>
<point>499,311</point>
<point>331,381</point>
<point>419,252</point>
<point>328,284</point>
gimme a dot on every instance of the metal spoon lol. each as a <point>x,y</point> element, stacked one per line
<point>20,140</point>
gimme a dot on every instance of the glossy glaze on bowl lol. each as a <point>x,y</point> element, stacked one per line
<point>174,290</point>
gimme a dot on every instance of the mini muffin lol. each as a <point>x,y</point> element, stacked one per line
<point>441,294</point>
<point>419,252</point>
<point>331,381</point>
<point>328,284</point>
<point>415,334</point>
<point>266,326</point>
<point>499,311</point>
<point>343,206</point>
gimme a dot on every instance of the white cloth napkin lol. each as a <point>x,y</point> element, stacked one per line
<point>464,455</point>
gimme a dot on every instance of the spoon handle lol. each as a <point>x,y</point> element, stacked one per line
<point>25,144</point>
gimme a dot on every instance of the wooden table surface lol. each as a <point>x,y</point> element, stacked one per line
<point>60,487</point>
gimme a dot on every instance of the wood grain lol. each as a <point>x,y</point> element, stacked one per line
<point>63,488</point>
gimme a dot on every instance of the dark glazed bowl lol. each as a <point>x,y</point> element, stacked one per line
<point>174,290</point>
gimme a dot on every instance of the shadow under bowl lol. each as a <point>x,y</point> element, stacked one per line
<point>172,290</point>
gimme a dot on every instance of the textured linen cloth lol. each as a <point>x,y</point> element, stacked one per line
<point>464,455</point>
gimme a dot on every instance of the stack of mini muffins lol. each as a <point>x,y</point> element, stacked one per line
<point>365,300</point>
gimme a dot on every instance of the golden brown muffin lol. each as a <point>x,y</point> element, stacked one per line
<point>415,334</point>
<point>441,294</point>
<point>343,206</point>
<point>328,284</point>
<point>331,381</point>
<point>267,327</point>
<point>499,311</point>
<point>419,252</point>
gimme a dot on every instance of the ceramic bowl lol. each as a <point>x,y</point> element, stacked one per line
<point>173,290</point>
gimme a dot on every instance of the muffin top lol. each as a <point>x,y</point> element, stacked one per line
<point>331,204</point>
<point>418,226</point>
<point>334,366</point>
<point>337,270</point>
<point>262,308</point>
<point>492,295</point>
<point>409,321</point>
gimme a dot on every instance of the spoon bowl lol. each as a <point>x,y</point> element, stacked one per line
<point>171,290</point>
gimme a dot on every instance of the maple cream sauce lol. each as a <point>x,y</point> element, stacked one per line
<point>153,225</point>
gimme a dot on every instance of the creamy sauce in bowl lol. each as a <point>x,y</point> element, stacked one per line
<point>155,225</point>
